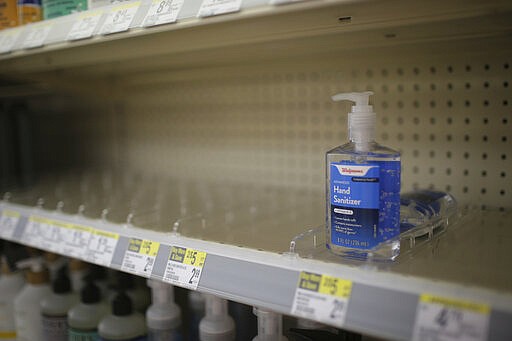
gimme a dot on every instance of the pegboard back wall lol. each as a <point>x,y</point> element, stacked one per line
<point>451,120</point>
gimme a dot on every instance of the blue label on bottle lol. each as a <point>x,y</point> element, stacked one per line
<point>365,203</point>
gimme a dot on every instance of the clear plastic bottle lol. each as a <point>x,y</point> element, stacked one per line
<point>27,309</point>
<point>55,307</point>
<point>83,318</point>
<point>163,316</point>
<point>363,189</point>
<point>11,283</point>
<point>196,307</point>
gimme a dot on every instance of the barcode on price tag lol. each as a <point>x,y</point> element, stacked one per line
<point>119,18</point>
<point>36,36</point>
<point>7,39</point>
<point>101,247</point>
<point>162,12</point>
<point>85,25</point>
<point>184,267</point>
<point>322,298</point>
<point>439,318</point>
<point>140,256</point>
<point>8,222</point>
<point>217,7</point>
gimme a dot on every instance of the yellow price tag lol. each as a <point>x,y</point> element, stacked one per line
<point>195,258</point>
<point>11,214</point>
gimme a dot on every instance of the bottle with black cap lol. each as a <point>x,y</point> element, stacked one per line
<point>124,324</point>
<point>55,307</point>
<point>83,318</point>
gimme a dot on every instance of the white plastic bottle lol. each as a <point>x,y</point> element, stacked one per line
<point>55,307</point>
<point>124,323</point>
<point>363,189</point>
<point>270,326</point>
<point>11,283</point>
<point>217,325</point>
<point>27,309</point>
<point>84,318</point>
<point>163,316</point>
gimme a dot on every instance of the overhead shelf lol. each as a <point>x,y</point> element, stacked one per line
<point>257,31</point>
<point>240,252</point>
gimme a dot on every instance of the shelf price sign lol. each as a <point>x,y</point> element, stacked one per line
<point>184,267</point>
<point>217,7</point>
<point>75,239</point>
<point>119,18</point>
<point>439,318</point>
<point>101,247</point>
<point>8,222</point>
<point>163,12</point>
<point>140,256</point>
<point>40,233</point>
<point>85,25</point>
<point>322,298</point>
<point>36,35</point>
<point>8,38</point>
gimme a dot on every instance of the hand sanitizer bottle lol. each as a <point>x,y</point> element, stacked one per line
<point>363,189</point>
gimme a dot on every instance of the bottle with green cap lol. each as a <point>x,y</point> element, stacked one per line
<point>83,318</point>
<point>124,324</point>
<point>363,188</point>
<point>55,307</point>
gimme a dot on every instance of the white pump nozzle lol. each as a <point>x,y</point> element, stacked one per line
<point>35,264</point>
<point>361,120</point>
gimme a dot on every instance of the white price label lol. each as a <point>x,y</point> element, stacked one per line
<point>85,25</point>
<point>216,7</point>
<point>36,36</point>
<point>101,247</point>
<point>8,222</point>
<point>119,18</point>
<point>282,2</point>
<point>322,298</point>
<point>446,319</point>
<point>184,267</point>
<point>7,39</point>
<point>162,12</point>
<point>140,257</point>
<point>34,231</point>
<point>75,239</point>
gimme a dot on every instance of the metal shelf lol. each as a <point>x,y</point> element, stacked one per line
<point>384,297</point>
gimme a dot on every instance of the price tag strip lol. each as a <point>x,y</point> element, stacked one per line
<point>216,7</point>
<point>119,18</point>
<point>8,222</point>
<point>322,298</point>
<point>447,319</point>
<point>140,256</point>
<point>36,36</point>
<point>184,267</point>
<point>84,27</point>
<point>7,39</point>
<point>71,239</point>
<point>162,12</point>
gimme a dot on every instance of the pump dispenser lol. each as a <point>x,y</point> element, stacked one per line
<point>363,189</point>
<point>270,326</point>
<point>217,325</point>
<point>163,316</point>
<point>27,310</point>
<point>361,120</point>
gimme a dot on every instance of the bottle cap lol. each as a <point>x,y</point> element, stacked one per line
<point>61,284</point>
<point>122,305</point>
<point>90,294</point>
